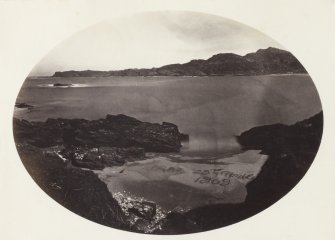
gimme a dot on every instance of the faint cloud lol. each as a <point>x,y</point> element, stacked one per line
<point>152,39</point>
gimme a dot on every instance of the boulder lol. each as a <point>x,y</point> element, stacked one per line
<point>83,157</point>
<point>143,209</point>
<point>99,158</point>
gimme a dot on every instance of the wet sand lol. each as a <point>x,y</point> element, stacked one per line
<point>187,184</point>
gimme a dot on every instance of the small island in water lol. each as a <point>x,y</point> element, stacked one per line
<point>62,85</point>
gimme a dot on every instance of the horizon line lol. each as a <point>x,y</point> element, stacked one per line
<point>91,70</point>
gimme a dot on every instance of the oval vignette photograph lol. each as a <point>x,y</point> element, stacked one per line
<point>168,122</point>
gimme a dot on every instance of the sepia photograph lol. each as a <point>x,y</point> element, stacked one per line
<point>168,122</point>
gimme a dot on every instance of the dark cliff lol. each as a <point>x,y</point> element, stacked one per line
<point>80,191</point>
<point>291,151</point>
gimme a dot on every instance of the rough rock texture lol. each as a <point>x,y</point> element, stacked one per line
<point>113,131</point>
<point>80,191</point>
<point>264,61</point>
<point>55,153</point>
<point>144,209</point>
<point>291,151</point>
<point>99,158</point>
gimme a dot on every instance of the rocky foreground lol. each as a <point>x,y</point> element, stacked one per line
<point>80,191</point>
<point>291,151</point>
<point>60,153</point>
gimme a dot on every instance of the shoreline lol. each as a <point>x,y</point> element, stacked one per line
<point>285,164</point>
<point>159,76</point>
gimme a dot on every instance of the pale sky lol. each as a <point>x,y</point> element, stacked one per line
<point>149,40</point>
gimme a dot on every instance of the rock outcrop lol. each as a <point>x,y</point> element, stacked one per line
<point>114,131</point>
<point>264,61</point>
<point>99,158</point>
<point>59,154</point>
<point>291,151</point>
<point>80,191</point>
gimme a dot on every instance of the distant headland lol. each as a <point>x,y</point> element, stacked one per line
<point>264,61</point>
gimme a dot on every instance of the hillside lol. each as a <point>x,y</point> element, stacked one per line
<point>263,61</point>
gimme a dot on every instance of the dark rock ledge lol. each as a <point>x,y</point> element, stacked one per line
<point>99,143</point>
<point>113,131</point>
<point>59,154</point>
<point>291,151</point>
<point>80,191</point>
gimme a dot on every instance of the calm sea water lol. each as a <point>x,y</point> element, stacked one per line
<point>210,109</point>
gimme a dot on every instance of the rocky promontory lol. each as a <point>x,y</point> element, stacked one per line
<point>291,150</point>
<point>100,143</point>
<point>59,154</point>
<point>113,131</point>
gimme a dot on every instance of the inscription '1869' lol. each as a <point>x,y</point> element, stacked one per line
<point>214,181</point>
